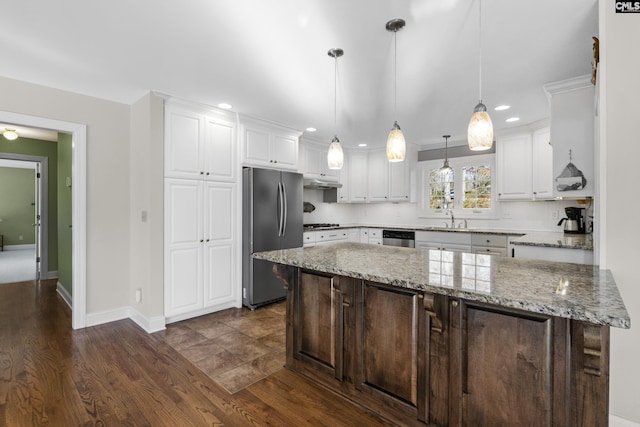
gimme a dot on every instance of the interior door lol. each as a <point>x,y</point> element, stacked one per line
<point>38,220</point>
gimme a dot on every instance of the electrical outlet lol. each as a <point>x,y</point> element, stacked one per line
<point>144,215</point>
<point>244,292</point>
<point>554,214</point>
<point>138,295</point>
<point>20,237</point>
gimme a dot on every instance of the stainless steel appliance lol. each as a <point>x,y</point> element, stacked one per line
<point>574,222</point>
<point>271,219</point>
<point>402,238</point>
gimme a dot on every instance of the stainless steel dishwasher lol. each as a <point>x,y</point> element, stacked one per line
<point>402,238</point>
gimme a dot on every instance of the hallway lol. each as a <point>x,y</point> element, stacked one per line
<point>116,374</point>
<point>17,265</point>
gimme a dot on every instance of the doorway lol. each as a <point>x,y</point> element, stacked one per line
<point>25,231</point>
<point>78,134</point>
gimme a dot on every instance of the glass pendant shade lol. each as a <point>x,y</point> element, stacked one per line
<point>10,134</point>
<point>396,146</point>
<point>335,155</point>
<point>480,131</point>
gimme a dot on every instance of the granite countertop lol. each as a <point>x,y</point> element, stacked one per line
<point>556,240</point>
<point>574,291</point>
<point>422,228</point>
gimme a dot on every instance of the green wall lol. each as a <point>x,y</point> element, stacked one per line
<point>64,212</point>
<point>17,205</point>
<point>49,149</point>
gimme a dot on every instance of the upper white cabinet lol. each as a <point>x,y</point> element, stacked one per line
<point>378,172</point>
<point>357,172</point>
<point>542,165</point>
<point>200,143</point>
<point>513,155</point>
<point>268,145</point>
<point>524,166</point>
<point>572,137</point>
<point>314,162</point>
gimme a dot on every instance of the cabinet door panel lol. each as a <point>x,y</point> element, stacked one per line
<point>220,163</point>
<point>390,342</point>
<point>182,144</point>
<point>285,152</point>
<point>184,273</point>
<point>256,146</point>
<point>378,176</point>
<point>219,283</point>
<point>220,219</point>
<point>183,210</point>
<point>506,368</point>
<point>316,317</point>
<point>514,168</point>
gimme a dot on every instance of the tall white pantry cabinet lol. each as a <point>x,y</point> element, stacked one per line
<point>201,203</point>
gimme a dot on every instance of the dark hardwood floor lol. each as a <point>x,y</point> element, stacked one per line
<point>118,375</point>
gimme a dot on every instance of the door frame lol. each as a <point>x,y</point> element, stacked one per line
<point>78,204</point>
<point>42,206</point>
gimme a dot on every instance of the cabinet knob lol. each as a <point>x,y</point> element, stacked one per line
<point>207,173</point>
<point>499,194</point>
<point>207,240</point>
<point>534,193</point>
<point>270,161</point>
<point>201,240</point>
<point>201,173</point>
<point>275,161</point>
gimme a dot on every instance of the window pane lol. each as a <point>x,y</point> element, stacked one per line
<point>441,189</point>
<point>477,187</point>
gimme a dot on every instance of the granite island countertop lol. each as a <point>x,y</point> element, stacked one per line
<point>574,291</point>
<point>556,240</point>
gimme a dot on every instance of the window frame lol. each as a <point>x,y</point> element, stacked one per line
<point>457,164</point>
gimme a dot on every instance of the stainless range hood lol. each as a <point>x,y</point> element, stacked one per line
<point>320,184</point>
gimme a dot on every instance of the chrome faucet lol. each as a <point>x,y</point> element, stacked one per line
<point>453,220</point>
<point>465,224</point>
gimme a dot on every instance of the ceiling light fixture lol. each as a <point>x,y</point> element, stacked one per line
<point>445,166</point>
<point>311,129</point>
<point>480,131</point>
<point>335,155</point>
<point>225,106</point>
<point>10,134</point>
<point>512,119</point>
<point>502,107</point>
<point>362,145</point>
<point>396,145</point>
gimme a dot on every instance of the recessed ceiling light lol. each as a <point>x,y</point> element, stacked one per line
<point>512,119</point>
<point>502,107</point>
<point>362,145</point>
<point>310,129</point>
<point>225,106</point>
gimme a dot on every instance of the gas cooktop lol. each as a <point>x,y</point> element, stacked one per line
<point>321,225</point>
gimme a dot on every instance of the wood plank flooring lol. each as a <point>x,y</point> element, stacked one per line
<point>118,375</point>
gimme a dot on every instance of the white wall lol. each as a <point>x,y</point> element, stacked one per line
<point>107,180</point>
<point>620,203</point>
<point>525,216</point>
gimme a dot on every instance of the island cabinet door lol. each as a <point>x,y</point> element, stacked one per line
<point>390,351</point>
<point>508,368</point>
<point>321,302</point>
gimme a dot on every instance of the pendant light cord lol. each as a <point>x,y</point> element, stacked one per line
<point>335,96</point>
<point>395,74</point>
<point>480,59</point>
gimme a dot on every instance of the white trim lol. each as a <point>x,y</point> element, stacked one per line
<point>78,204</point>
<point>62,291</point>
<point>20,247</point>
<point>567,85</point>
<point>150,325</point>
<point>621,422</point>
<point>200,312</point>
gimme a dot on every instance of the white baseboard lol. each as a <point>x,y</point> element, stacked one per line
<point>150,325</point>
<point>66,296</point>
<point>19,247</point>
<point>621,422</point>
<point>49,275</point>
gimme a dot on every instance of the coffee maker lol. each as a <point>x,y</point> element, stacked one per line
<point>574,222</point>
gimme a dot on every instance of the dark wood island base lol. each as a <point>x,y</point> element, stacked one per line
<point>418,358</point>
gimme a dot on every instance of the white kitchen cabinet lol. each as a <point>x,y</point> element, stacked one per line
<point>353,235</point>
<point>315,162</point>
<point>268,145</point>
<point>513,158</point>
<point>200,248</point>
<point>308,239</point>
<point>456,241</point>
<point>399,184</point>
<point>375,236</point>
<point>324,237</point>
<point>364,235</point>
<point>358,177</point>
<point>490,244</point>
<point>378,172</point>
<point>542,165</point>
<point>544,253</point>
<point>200,143</point>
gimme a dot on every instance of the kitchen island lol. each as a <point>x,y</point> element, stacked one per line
<point>431,337</point>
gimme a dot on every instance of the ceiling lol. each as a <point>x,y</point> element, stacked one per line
<point>269,58</point>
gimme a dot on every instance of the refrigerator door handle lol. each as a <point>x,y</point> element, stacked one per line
<point>281,209</point>
<point>284,204</point>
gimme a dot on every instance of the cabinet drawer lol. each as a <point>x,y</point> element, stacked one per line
<point>330,235</point>
<point>375,233</point>
<point>490,250</point>
<point>489,240</point>
<point>451,237</point>
<point>309,238</point>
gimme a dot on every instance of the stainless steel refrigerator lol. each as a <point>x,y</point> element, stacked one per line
<point>271,219</point>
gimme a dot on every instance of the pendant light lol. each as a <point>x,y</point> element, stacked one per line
<point>480,132</point>
<point>445,169</point>
<point>335,155</point>
<point>396,145</point>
